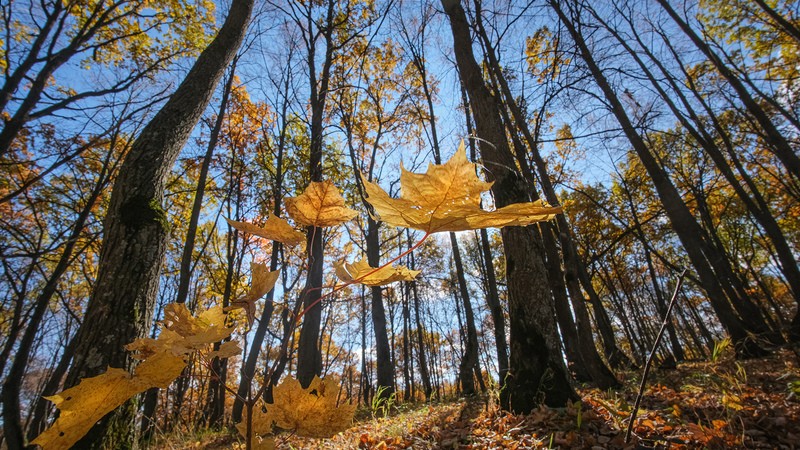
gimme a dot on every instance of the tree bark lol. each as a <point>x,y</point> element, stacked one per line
<point>135,231</point>
<point>589,365</point>
<point>536,369</point>
<point>384,365</point>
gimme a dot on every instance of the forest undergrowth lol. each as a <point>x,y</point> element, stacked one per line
<point>718,404</point>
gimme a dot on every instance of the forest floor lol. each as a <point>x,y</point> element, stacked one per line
<point>727,404</point>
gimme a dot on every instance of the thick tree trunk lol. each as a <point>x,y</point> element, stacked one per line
<point>536,369</point>
<point>591,365</point>
<point>135,231</point>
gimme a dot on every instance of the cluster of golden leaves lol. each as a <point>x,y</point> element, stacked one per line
<point>163,360</point>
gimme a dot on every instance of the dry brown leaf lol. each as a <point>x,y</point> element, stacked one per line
<point>276,229</point>
<point>207,328</point>
<point>362,272</point>
<point>320,205</point>
<point>447,198</point>
<point>311,412</point>
<point>262,282</point>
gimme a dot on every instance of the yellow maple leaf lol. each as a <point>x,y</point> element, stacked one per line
<point>320,205</point>
<point>275,229</point>
<point>447,198</point>
<point>181,334</point>
<point>362,272</point>
<point>311,412</point>
<point>206,328</point>
<point>81,406</point>
<point>262,282</point>
<point>226,350</point>
<point>261,428</point>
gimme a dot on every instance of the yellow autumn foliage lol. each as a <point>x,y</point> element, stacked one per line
<point>163,360</point>
<point>275,229</point>
<point>320,205</point>
<point>447,198</point>
<point>362,272</point>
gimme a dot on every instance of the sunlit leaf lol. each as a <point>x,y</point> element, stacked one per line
<point>320,205</point>
<point>163,360</point>
<point>226,350</point>
<point>276,229</point>
<point>261,428</point>
<point>262,282</point>
<point>447,198</point>
<point>311,412</point>
<point>207,328</point>
<point>81,406</point>
<point>363,273</point>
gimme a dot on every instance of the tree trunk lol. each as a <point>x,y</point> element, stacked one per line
<point>536,368</point>
<point>566,323</point>
<point>495,308</point>
<point>309,356</point>
<point>384,365</point>
<point>591,365</point>
<point>135,231</point>
<point>408,387</point>
<point>469,359</point>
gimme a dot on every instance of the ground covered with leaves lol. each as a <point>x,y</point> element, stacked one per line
<point>726,404</point>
